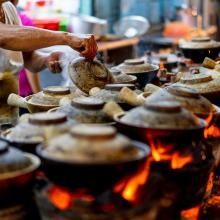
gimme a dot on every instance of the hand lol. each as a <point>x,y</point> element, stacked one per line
<point>87,46</point>
<point>53,63</point>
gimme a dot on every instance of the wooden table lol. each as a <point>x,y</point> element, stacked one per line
<point>118,50</point>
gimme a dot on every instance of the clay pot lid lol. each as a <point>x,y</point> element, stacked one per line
<point>196,78</point>
<point>87,131</point>
<point>115,71</point>
<point>51,118</point>
<point>89,103</point>
<point>201,39</point>
<point>183,91</point>
<point>200,43</point>
<point>89,74</point>
<point>11,160</point>
<point>118,87</point>
<point>134,62</point>
<point>56,90</point>
<point>164,106</point>
<point>95,67</point>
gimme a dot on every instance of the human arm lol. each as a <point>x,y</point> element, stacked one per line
<point>28,39</point>
<point>34,81</point>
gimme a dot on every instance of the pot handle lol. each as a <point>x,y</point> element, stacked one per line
<point>209,63</point>
<point>17,101</point>
<point>151,88</point>
<point>112,108</point>
<point>129,96</point>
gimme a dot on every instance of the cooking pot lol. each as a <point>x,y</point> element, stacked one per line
<point>17,171</point>
<point>91,156</point>
<point>188,98</point>
<point>84,110</point>
<point>43,101</point>
<point>122,78</point>
<point>199,48</point>
<point>40,127</point>
<point>144,72</point>
<point>165,121</point>
<point>204,83</point>
<point>111,92</point>
<point>87,74</point>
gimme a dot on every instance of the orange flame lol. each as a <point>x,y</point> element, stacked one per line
<point>212,131</point>
<point>64,199</point>
<point>161,65</point>
<point>129,187</point>
<point>178,161</point>
<point>214,201</point>
<point>162,153</point>
<point>191,214</point>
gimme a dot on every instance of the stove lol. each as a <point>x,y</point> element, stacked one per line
<point>59,203</point>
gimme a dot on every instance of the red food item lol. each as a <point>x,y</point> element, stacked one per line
<point>176,30</point>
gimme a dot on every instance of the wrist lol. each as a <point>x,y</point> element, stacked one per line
<point>71,40</point>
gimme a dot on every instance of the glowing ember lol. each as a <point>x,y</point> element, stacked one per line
<point>209,118</point>
<point>210,183</point>
<point>161,65</point>
<point>191,214</point>
<point>212,131</point>
<point>64,199</point>
<point>129,187</point>
<point>214,201</point>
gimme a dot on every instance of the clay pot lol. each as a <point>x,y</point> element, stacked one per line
<point>98,152</point>
<point>144,72</point>
<point>188,98</point>
<point>84,110</point>
<point>199,48</point>
<point>112,92</point>
<point>122,78</point>
<point>204,84</point>
<point>40,127</point>
<point>16,171</point>
<point>43,101</point>
<point>156,120</point>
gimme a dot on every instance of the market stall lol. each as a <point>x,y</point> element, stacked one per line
<point>133,136</point>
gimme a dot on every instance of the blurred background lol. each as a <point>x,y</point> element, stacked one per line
<point>159,22</point>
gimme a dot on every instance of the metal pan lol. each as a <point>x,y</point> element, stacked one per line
<point>94,176</point>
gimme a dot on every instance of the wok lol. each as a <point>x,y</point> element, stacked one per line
<point>94,176</point>
<point>18,101</point>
